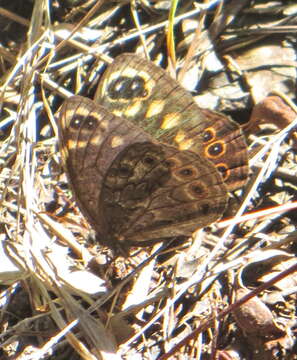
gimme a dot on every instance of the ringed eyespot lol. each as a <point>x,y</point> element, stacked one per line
<point>208,135</point>
<point>75,122</point>
<point>198,190</point>
<point>91,122</point>
<point>216,149</point>
<point>186,172</point>
<point>127,88</point>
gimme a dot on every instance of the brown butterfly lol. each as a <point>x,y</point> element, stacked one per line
<point>144,161</point>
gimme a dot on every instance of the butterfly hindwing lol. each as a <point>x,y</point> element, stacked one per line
<point>153,191</point>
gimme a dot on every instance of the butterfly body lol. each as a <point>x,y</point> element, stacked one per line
<point>145,163</point>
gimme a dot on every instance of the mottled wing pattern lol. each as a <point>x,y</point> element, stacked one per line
<point>133,189</point>
<point>145,94</point>
<point>90,139</point>
<point>154,191</point>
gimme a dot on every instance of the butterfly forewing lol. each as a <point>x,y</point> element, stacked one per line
<point>91,138</point>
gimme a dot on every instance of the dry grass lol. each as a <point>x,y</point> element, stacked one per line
<point>63,295</point>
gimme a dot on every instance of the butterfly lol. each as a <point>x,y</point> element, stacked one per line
<point>145,163</point>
